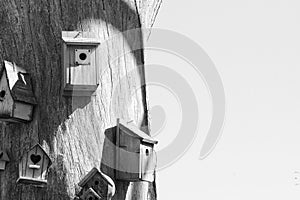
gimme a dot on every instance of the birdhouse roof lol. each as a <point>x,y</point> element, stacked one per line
<point>91,174</point>
<point>79,38</point>
<point>41,148</point>
<point>19,82</point>
<point>135,132</point>
<point>4,156</point>
<point>90,191</point>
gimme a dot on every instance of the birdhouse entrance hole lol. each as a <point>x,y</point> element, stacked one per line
<point>82,56</point>
<point>2,95</point>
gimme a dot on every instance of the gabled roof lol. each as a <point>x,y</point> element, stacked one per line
<point>91,174</point>
<point>4,156</point>
<point>135,132</point>
<point>40,147</point>
<point>19,82</point>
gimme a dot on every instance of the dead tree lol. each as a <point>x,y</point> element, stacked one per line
<point>71,129</point>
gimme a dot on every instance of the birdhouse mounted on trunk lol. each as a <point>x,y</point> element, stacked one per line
<point>34,166</point>
<point>16,95</point>
<point>3,160</point>
<point>96,185</point>
<point>90,194</point>
<point>136,158</point>
<point>80,63</point>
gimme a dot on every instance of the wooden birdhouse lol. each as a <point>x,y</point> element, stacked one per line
<point>16,96</point>
<point>90,194</point>
<point>80,63</point>
<point>96,185</point>
<point>3,160</point>
<point>34,166</point>
<point>135,155</point>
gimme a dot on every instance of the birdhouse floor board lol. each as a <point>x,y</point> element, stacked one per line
<point>80,90</point>
<point>32,181</point>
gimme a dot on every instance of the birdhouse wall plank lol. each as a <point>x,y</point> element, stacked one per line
<point>128,165</point>
<point>6,105</point>
<point>148,163</point>
<point>23,111</point>
<point>127,158</point>
<point>36,157</point>
<point>33,167</point>
<point>131,143</point>
<point>83,74</point>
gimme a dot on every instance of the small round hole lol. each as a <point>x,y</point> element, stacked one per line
<point>147,152</point>
<point>96,182</point>
<point>2,94</point>
<point>82,56</point>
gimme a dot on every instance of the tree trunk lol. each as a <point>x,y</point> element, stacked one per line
<point>71,130</point>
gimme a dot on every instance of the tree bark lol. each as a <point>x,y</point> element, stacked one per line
<point>71,130</point>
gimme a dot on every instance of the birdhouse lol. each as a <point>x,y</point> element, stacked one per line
<point>16,95</point>
<point>80,63</point>
<point>96,185</point>
<point>34,166</point>
<point>3,160</point>
<point>135,155</point>
<point>90,194</point>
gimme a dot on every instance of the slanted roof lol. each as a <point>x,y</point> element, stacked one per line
<point>79,38</point>
<point>90,191</point>
<point>135,132</point>
<point>19,82</point>
<point>91,174</point>
<point>4,156</point>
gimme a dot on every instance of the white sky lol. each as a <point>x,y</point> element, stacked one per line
<point>255,46</point>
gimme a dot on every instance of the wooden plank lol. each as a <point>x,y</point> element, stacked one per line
<point>82,74</point>
<point>6,105</point>
<point>148,163</point>
<point>23,111</point>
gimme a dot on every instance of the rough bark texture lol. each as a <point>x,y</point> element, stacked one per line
<point>72,130</point>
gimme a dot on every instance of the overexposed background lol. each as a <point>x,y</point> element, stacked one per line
<point>255,45</point>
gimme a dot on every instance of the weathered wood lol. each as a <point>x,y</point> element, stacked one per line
<point>72,129</point>
<point>99,182</point>
<point>16,95</point>
<point>133,160</point>
<point>23,111</point>
<point>6,105</point>
<point>33,167</point>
